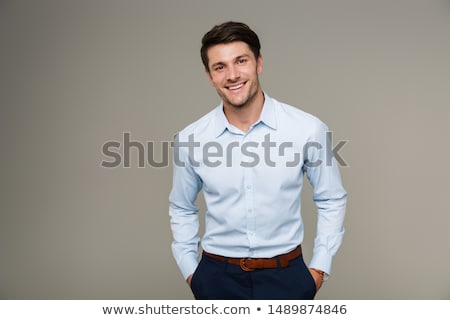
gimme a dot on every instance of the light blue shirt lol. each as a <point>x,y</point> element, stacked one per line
<point>252,184</point>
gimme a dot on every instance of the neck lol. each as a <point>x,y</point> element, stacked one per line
<point>245,116</point>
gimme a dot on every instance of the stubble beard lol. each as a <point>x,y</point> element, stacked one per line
<point>248,101</point>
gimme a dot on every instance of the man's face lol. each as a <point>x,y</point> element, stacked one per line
<point>233,71</point>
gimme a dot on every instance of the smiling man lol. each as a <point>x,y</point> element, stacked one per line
<point>262,149</point>
<point>234,73</point>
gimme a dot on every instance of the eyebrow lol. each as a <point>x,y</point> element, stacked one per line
<point>245,55</point>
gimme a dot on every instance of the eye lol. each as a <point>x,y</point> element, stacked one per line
<point>242,61</point>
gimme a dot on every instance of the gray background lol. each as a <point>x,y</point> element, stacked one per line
<point>76,74</point>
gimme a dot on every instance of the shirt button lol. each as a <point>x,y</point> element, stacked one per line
<point>249,187</point>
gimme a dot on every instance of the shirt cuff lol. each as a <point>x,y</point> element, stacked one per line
<point>188,265</point>
<point>321,260</point>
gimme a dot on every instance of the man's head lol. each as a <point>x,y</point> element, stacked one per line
<point>233,62</point>
<point>229,32</point>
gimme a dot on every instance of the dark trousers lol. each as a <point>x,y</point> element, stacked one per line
<point>218,280</point>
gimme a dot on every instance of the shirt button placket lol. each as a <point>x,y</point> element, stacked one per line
<point>249,200</point>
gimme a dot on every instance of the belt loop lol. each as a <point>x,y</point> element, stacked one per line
<point>279,262</point>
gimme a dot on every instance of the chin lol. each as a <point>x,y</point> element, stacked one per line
<point>238,103</point>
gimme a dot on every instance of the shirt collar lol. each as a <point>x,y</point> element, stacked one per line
<point>268,117</point>
<point>268,113</point>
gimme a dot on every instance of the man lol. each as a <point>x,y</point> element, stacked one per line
<point>249,156</point>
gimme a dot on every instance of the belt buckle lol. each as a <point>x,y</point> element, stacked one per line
<point>243,266</point>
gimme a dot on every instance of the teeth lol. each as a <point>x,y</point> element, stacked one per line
<point>236,87</point>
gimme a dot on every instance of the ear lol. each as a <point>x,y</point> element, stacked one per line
<point>259,64</point>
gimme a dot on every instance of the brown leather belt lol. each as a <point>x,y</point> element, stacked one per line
<point>250,264</point>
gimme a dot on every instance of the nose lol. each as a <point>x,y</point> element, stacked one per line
<point>233,73</point>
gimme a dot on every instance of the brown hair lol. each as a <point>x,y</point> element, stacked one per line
<point>229,32</point>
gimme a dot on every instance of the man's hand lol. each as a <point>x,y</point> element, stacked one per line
<point>317,276</point>
<point>189,279</point>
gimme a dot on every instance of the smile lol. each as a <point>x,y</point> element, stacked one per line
<point>236,87</point>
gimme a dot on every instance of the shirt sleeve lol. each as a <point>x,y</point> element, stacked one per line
<point>183,211</point>
<point>329,196</point>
